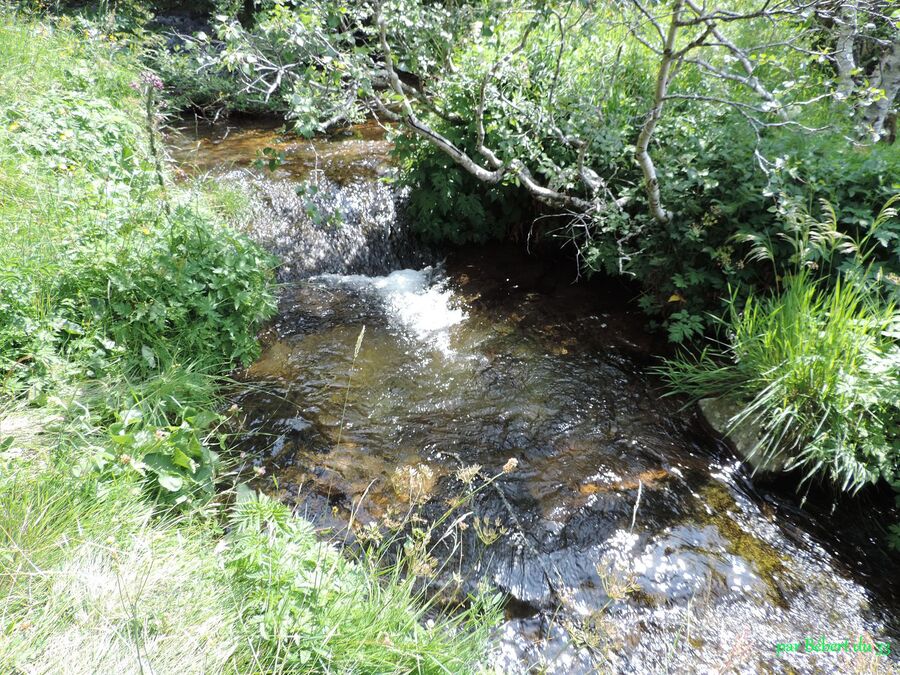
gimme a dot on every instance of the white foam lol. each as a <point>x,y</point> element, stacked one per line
<point>413,300</point>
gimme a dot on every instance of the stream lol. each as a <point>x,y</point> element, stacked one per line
<point>626,536</point>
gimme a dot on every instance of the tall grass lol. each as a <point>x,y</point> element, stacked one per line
<point>815,370</point>
<point>91,581</point>
<point>313,610</point>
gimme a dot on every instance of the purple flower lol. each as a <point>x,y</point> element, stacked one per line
<point>152,79</point>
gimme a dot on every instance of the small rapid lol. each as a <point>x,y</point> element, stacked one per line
<point>321,208</point>
<point>418,301</point>
<point>626,538</point>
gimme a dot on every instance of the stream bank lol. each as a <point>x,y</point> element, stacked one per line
<point>629,539</point>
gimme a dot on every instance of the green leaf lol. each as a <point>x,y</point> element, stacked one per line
<point>181,459</point>
<point>149,356</point>
<point>170,482</point>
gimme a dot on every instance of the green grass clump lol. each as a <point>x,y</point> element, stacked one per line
<point>315,611</point>
<point>92,581</point>
<point>125,297</point>
<point>816,369</point>
<point>813,370</point>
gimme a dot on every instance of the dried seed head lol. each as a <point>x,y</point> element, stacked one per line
<point>467,474</point>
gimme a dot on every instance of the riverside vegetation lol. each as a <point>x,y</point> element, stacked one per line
<point>125,301</point>
<point>736,159</point>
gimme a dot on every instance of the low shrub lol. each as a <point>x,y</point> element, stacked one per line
<point>447,204</point>
<point>105,269</point>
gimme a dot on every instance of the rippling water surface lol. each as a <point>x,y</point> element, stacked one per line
<point>628,539</point>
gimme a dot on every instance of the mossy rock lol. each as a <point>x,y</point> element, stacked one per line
<point>718,413</point>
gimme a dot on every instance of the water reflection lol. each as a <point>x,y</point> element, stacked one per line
<point>630,541</point>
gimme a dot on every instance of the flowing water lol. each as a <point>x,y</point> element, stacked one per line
<point>626,538</point>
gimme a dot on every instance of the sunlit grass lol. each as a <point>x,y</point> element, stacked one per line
<point>92,582</point>
<point>93,576</point>
<point>815,370</point>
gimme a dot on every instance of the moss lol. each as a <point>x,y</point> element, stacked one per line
<point>769,563</point>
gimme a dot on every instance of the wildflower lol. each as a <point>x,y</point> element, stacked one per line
<point>391,522</point>
<point>259,470</point>
<point>153,80</point>
<point>161,434</point>
<point>370,533</point>
<point>150,79</point>
<point>413,483</point>
<point>458,500</point>
<point>489,532</point>
<point>510,465</point>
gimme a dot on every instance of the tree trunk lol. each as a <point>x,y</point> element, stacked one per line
<point>875,115</point>
<point>642,153</point>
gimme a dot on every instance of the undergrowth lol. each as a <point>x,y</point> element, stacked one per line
<point>813,369</point>
<point>125,300</point>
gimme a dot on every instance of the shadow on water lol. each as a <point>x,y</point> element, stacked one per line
<point>629,540</point>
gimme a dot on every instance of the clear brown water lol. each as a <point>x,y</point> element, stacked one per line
<point>496,355</point>
<point>358,152</point>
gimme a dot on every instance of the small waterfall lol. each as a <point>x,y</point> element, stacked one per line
<point>326,208</point>
<point>319,226</point>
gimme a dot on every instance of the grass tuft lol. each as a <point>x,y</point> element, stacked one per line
<point>815,370</point>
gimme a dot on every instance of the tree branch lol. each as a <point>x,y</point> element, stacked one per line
<point>642,154</point>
